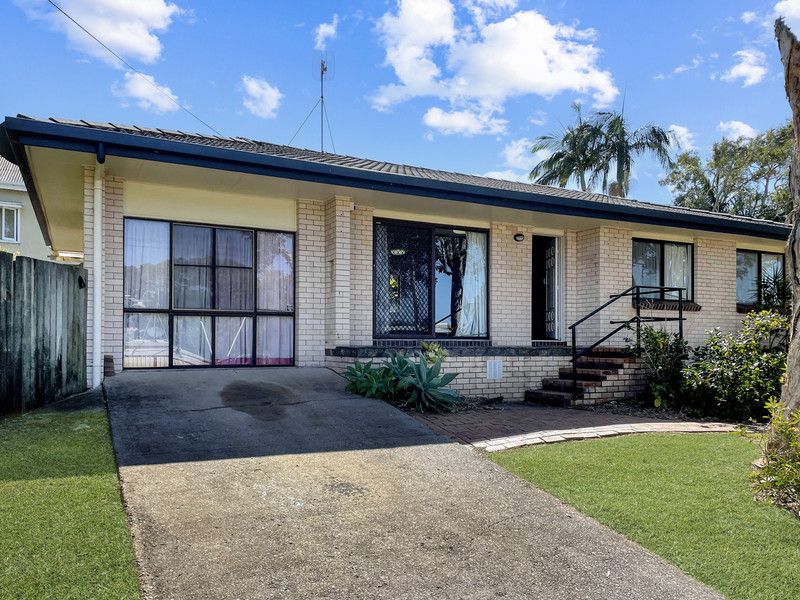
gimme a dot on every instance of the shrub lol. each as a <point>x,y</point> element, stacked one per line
<point>433,352</point>
<point>663,354</point>
<point>778,478</point>
<point>366,380</point>
<point>734,375</point>
<point>419,386</point>
<point>428,389</point>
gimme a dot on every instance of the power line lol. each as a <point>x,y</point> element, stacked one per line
<point>132,68</point>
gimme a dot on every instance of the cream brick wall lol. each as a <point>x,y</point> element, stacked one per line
<point>510,285</point>
<point>113,191</point>
<point>337,268</point>
<point>310,277</point>
<point>520,373</point>
<point>361,276</point>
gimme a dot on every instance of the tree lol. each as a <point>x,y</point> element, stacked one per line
<point>790,57</point>
<point>592,149</point>
<point>743,176</point>
<point>574,154</point>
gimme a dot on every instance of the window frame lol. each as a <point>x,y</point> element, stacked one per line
<point>430,227</point>
<point>17,210</point>
<point>253,313</point>
<point>660,297</point>
<point>747,307</point>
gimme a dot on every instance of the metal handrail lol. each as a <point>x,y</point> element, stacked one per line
<point>636,292</point>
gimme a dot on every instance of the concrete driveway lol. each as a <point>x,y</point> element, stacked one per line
<point>275,483</point>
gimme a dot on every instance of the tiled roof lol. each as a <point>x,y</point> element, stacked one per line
<point>243,144</point>
<point>9,172</point>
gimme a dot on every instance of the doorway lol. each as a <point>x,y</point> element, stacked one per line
<point>544,302</point>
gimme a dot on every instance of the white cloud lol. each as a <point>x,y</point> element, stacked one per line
<point>790,11</point>
<point>478,66</point>
<point>539,117</point>
<point>508,175</point>
<point>466,122</point>
<point>696,62</point>
<point>261,98</point>
<point>517,154</point>
<point>146,92</point>
<point>683,137</point>
<point>736,129</point>
<point>748,16</point>
<point>324,32</point>
<point>750,69</point>
<point>128,28</point>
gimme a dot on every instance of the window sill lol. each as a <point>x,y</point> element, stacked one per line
<point>688,305</point>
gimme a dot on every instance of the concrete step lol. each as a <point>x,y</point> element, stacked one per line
<point>586,374</point>
<point>549,397</point>
<point>606,363</point>
<point>565,384</point>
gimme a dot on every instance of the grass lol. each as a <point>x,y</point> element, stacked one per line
<point>63,530</point>
<point>684,497</point>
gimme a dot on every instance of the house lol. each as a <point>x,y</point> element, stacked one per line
<point>19,230</point>
<point>215,251</point>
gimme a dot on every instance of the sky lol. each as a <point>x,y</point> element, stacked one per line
<point>460,85</point>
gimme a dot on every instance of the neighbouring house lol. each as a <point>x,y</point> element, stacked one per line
<point>214,251</point>
<point>19,229</point>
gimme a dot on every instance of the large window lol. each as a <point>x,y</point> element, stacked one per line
<point>9,223</point>
<point>196,295</point>
<point>758,275</point>
<point>663,264</point>
<point>429,281</point>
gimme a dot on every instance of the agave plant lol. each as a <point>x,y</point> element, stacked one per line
<point>427,387</point>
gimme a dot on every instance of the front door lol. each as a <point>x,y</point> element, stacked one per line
<point>544,302</point>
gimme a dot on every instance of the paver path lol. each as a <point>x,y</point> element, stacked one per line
<point>275,483</point>
<point>519,424</point>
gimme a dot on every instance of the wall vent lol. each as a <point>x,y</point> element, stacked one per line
<point>494,369</point>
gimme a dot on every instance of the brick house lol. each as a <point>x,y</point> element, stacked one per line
<point>211,251</point>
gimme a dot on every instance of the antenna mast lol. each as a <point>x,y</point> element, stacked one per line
<point>323,69</point>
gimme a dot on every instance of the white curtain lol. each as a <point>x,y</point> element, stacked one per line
<point>275,345</point>
<point>472,320</point>
<point>678,269</point>
<point>275,271</point>
<point>146,269</point>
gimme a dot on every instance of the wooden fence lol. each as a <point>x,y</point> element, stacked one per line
<point>42,332</point>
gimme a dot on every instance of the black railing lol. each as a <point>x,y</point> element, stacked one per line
<point>636,292</point>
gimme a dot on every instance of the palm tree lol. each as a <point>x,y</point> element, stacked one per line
<point>620,146</point>
<point>590,150</point>
<point>573,154</point>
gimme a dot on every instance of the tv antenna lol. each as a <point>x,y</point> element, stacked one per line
<point>324,70</point>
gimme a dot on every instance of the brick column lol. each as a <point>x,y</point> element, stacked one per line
<point>510,285</point>
<point>361,276</point>
<point>310,278</point>
<point>112,331</point>
<point>338,211</point>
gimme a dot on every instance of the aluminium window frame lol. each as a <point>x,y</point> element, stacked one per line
<point>173,312</point>
<point>689,294</point>
<point>759,276</point>
<point>17,210</point>
<point>432,227</point>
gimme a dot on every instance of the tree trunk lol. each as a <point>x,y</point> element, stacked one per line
<point>790,57</point>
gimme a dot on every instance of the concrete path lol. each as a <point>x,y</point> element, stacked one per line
<point>554,436</point>
<point>275,483</point>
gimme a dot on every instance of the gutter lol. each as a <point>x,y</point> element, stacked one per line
<point>28,132</point>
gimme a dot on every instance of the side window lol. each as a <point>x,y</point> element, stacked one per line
<point>9,224</point>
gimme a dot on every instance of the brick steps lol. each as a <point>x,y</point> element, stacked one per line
<point>604,374</point>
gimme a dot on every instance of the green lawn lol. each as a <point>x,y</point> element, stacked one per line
<point>63,531</point>
<point>684,497</point>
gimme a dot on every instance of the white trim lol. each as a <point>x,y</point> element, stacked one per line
<point>9,204</point>
<point>17,187</point>
<point>17,210</point>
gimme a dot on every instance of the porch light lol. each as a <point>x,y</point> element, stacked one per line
<point>397,251</point>
<point>519,237</point>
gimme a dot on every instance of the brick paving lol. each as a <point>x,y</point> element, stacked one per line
<point>519,424</point>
